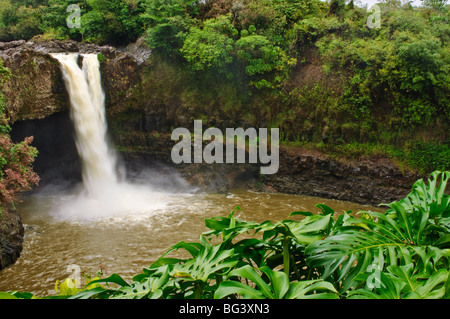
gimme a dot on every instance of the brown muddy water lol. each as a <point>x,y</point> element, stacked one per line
<point>126,243</point>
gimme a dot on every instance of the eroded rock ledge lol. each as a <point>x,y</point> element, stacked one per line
<point>367,181</point>
<point>370,181</point>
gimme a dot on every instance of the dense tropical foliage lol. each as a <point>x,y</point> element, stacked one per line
<point>401,253</point>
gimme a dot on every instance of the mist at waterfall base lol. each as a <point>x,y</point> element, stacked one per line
<point>147,194</point>
<point>106,191</point>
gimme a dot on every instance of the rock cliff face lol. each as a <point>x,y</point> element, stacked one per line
<point>141,118</point>
<point>34,91</point>
<point>11,237</point>
<point>140,123</point>
<point>370,181</point>
<point>303,172</point>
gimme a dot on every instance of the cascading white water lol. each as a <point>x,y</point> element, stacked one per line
<point>88,115</point>
<point>103,194</point>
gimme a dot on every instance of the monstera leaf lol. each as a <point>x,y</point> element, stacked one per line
<point>400,282</point>
<point>406,233</point>
<point>274,285</point>
<point>151,287</point>
<point>211,260</point>
<point>432,197</point>
<point>310,229</point>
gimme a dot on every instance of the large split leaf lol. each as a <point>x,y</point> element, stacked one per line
<point>407,233</point>
<point>151,288</point>
<point>310,229</point>
<point>400,282</point>
<point>211,260</point>
<point>271,284</point>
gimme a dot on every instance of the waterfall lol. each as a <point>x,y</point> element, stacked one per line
<point>103,194</point>
<point>88,115</point>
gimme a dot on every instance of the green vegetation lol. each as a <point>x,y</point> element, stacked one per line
<point>399,254</point>
<point>104,21</point>
<point>313,69</point>
<point>16,159</point>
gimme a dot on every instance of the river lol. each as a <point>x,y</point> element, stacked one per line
<point>126,243</point>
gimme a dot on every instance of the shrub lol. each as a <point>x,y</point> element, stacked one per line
<point>428,157</point>
<point>16,159</point>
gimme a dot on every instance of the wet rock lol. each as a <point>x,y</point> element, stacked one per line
<point>369,181</point>
<point>11,44</point>
<point>139,50</point>
<point>11,237</point>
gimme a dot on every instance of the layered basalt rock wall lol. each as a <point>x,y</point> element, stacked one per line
<point>369,181</point>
